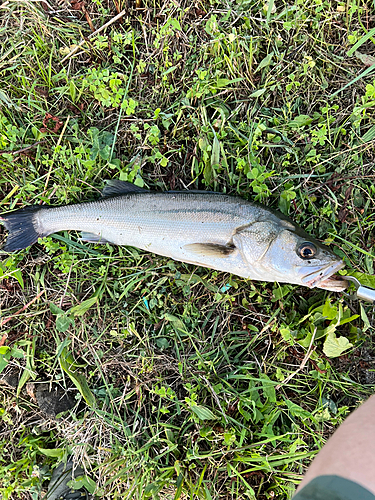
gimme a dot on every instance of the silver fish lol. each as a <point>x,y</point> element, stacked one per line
<point>202,228</point>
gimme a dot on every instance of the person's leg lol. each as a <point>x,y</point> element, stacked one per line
<point>350,451</point>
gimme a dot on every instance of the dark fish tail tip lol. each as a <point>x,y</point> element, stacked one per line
<point>22,228</point>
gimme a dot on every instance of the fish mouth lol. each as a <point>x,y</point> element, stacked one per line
<point>324,278</point>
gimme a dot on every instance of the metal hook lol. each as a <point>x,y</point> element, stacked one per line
<point>362,292</point>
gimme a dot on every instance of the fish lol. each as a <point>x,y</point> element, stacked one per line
<point>204,228</point>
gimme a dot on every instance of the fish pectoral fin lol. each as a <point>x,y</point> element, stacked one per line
<point>115,187</point>
<point>210,249</point>
<point>94,238</point>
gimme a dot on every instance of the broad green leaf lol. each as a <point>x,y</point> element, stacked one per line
<point>151,490</point>
<point>203,143</point>
<point>140,182</point>
<point>18,275</point>
<point>215,155</point>
<point>105,152</point>
<point>203,413</point>
<point>55,310</point>
<point>193,278</point>
<point>83,481</point>
<point>63,322</point>
<point>264,62</point>
<point>300,121</point>
<point>369,135</point>
<point>72,91</point>
<point>176,322</point>
<point>364,279</point>
<point>330,404</point>
<point>83,307</point>
<point>169,70</point>
<point>67,365</point>
<point>305,342</point>
<point>162,343</point>
<point>17,353</point>
<point>29,371</point>
<point>335,346</point>
<point>4,357</point>
<point>208,173</point>
<point>258,93</point>
<point>296,410</point>
<point>268,388</point>
<point>7,101</point>
<point>54,452</point>
<point>348,320</point>
<point>224,82</point>
<point>329,311</point>
<point>286,334</point>
<point>229,438</point>
<point>366,322</point>
<point>175,23</point>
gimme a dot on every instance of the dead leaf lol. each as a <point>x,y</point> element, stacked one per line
<point>30,390</point>
<point>47,119</point>
<point>199,12</point>
<point>88,19</point>
<point>366,59</point>
<point>343,212</point>
<point>43,91</point>
<point>78,5</point>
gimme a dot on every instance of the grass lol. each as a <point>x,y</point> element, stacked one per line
<point>188,383</point>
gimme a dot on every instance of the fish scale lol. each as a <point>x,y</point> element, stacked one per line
<point>123,219</point>
<point>202,228</point>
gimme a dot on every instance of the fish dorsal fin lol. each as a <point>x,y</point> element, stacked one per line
<point>115,187</point>
<point>210,249</point>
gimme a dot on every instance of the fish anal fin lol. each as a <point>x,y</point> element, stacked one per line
<point>93,238</point>
<point>116,187</point>
<point>210,249</point>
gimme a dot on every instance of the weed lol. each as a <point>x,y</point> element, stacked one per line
<point>188,382</point>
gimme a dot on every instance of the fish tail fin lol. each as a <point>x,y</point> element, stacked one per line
<point>23,228</point>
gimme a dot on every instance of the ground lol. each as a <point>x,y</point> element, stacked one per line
<point>162,379</point>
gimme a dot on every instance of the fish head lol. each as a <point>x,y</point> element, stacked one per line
<point>287,254</point>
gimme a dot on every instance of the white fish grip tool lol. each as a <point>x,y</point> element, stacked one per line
<point>362,292</point>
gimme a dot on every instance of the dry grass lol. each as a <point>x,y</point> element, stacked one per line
<point>183,366</point>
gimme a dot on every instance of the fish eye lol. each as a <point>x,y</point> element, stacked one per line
<point>307,250</point>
